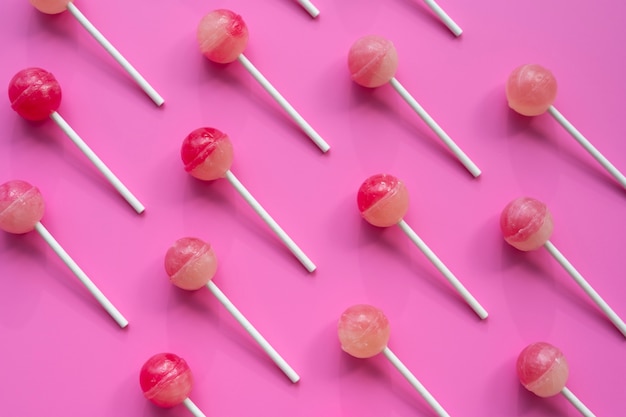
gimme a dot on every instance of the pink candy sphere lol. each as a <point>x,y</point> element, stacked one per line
<point>542,369</point>
<point>21,207</point>
<point>526,223</point>
<point>50,6</point>
<point>363,331</point>
<point>34,94</point>
<point>207,153</point>
<point>531,89</point>
<point>190,263</point>
<point>222,36</point>
<point>383,200</point>
<point>166,379</point>
<point>372,61</point>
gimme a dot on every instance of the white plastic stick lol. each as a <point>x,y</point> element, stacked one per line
<point>451,24</point>
<point>258,337</point>
<point>577,403</point>
<point>193,409</point>
<point>447,140</point>
<point>580,280</point>
<point>309,7</point>
<point>109,175</point>
<point>304,125</point>
<point>415,382</point>
<point>463,292</point>
<point>588,146</point>
<point>73,266</point>
<point>295,249</point>
<point>145,86</point>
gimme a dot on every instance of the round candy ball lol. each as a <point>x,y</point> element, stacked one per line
<point>166,379</point>
<point>222,36</point>
<point>190,263</point>
<point>34,93</point>
<point>372,61</point>
<point>531,89</point>
<point>542,369</point>
<point>383,200</point>
<point>21,207</point>
<point>207,153</point>
<point>50,6</point>
<point>526,223</point>
<point>363,331</point>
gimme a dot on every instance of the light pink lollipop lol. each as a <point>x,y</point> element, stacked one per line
<point>223,36</point>
<point>191,264</point>
<point>21,209</point>
<point>527,224</point>
<point>59,6</point>
<point>363,332</point>
<point>531,90</point>
<point>383,200</point>
<point>372,62</point>
<point>543,370</point>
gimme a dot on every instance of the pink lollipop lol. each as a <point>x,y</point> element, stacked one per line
<point>543,370</point>
<point>383,200</point>
<point>372,62</point>
<point>59,6</point>
<point>21,209</point>
<point>36,95</point>
<point>207,155</point>
<point>531,90</point>
<point>222,37</point>
<point>364,332</point>
<point>166,380</point>
<point>191,264</point>
<point>527,225</point>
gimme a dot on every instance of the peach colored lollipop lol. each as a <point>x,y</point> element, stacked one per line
<point>21,209</point>
<point>363,332</point>
<point>543,370</point>
<point>223,36</point>
<point>531,90</point>
<point>207,154</point>
<point>527,224</point>
<point>59,6</point>
<point>372,62</point>
<point>191,264</point>
<point>383,200</point>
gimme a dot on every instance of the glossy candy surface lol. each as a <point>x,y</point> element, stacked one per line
<point>222,36</point>
<point>531,89</point>
<point>383,200</point>
<point>21,207</point>
<point>34,94</point>
<point>50,6</point>
<point>166,379</point>
<point>372,61</point>
<point>190,263</point>
<point>542,369</point>
<point>526,223</point>
<point>363,331</point>
<point>207,153</point>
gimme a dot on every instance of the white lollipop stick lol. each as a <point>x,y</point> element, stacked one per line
<point>73,266</point>
<point>271,352</point>
<point>454,28</point>
<point>309,7</point>
<point>415,382</point>
<point>109,175</point>
<point>193,409</point>
<point>580,280</point>
<point>295,249</point>
<point>304,125</point>
<point>447,140</point>
<point>588,146</point>
<point>467,296</point>
<point>577,403</point>
<point>145,86</point>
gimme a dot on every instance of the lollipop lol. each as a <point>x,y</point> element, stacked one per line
<point>383,200</point>
<point>166,380</point>
<point>21,209</point>
<point>207,155</point>
<point>543,370</point>
<point>364,332</point>
<point>447,20</point>
<point>59,6</point>
<point>309,7</point>
<point>36,95</point>
<point>527,224</point>
<point>531,90</point>
<point>223,36</point>
<point>372,62</point>
<point>191,264</point>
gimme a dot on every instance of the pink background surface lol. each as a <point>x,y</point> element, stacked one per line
<point>62,353</point>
